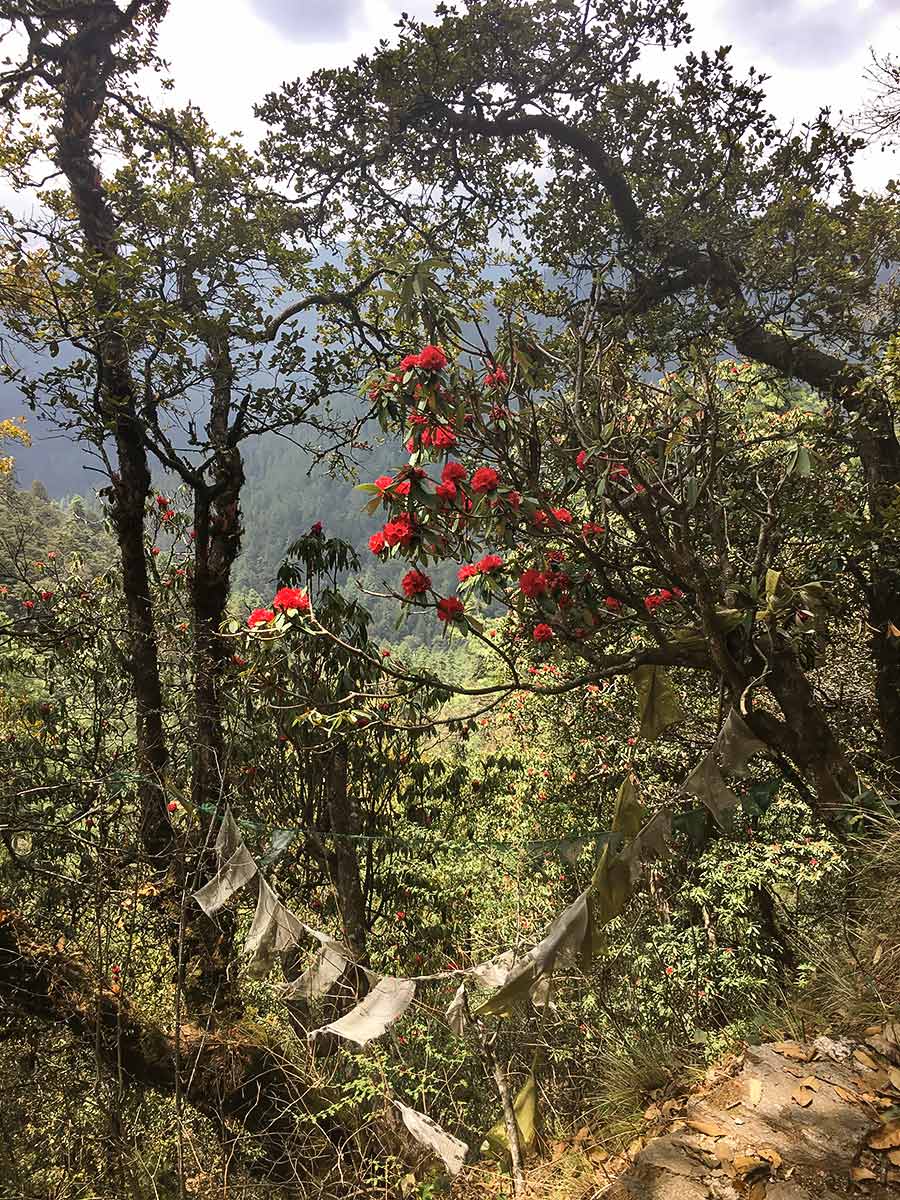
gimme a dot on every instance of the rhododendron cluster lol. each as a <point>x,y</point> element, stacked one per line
<point>485,479</point>
<point>415,583</point>
<point>533,583</point>
<point>542,633</point>
<point>260,616</point>
<point>287,597</point>
<point>450,609</point>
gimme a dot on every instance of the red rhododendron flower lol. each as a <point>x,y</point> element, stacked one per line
<point>441,438</point>
<point>432,358</point>
<point>402,489</point>
<point>446,491</point>
<point>591,527</point>
<point>496,377</point>
<point>513,499</point>
<point>316,529</point>
<point>466,572</point>
<point>581,459</point>
<point>453,472</point>
<point>556,556</point>
<point>260,616</point>
<point>542,633</point>
<point>651,603</point>
<point>490,562</point>
<point>162,501</point>
<point>288,597</point>
<point>168,515</point>
<point>417,418</point>
<point>377,542</point>
<point>619,472</point>
<point>29,604</point>
<point>172,806</point>
<point>450,609</point>
<point>540,518</point>
<point>533,583</point>
<point>414,583</point>
<point>45,596</point>
<point>484,480</point>
<point>383,482</point>
<point>400,531</point>
<point>665,595</point>
<point>406,364</point>
<point>613,604</point>
<point>563,516</point>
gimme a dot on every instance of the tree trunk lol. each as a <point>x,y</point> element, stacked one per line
<point>344,821</point>
<point>83,90</point>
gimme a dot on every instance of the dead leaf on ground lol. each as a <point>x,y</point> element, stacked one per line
<point>894,1157</point>
<point>754,1091</point>
<point>582,1135</point>
<point>894,1076</point>
<point>858,1174</point>
<point>803,1096</point>
<point>865,1060</point>
<point>844,1094</point>
<point>794,1050</point>
<point>876,957</point>
<point>811,1082</point>
<point>652,1113</point>
<point>749,1164</point>
<point>880,1102</point>
<point>771,1155</point>
<point>598,1156</point>
<point>704,1125</point>
<point>887,1137</point>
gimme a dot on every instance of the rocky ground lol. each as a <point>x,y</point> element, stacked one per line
<point>782,1121</point>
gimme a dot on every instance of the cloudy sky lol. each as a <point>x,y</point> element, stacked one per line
<point>815,50</point>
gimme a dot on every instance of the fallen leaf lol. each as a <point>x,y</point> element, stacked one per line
<point>894,1157</point>
<point>858,1174</point>
<point>652,1113</point>
<point>598,1156</point>
<point>871,1029</point>
<point>749,1164</point>
<point>794,1050</point>
<point>894,1076</point>
<point>887,1137</point>
<point>803,1096</point>
<point>771,1155</point>
<point>849,1097</point>
<point>876,1101</point>
<point>811,1082</point>
<point>582,1135</point>
<point>876,957</point>
<point>865,1060</point>
<point>557,1150</point>
<point>710,1128</point>
<point>754,1090</point>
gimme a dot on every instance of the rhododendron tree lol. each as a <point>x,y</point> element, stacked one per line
<point>676,226</point>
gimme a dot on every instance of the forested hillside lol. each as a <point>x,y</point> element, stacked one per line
<point>453,745</point>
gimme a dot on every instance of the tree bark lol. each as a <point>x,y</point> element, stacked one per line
<point>85,62</point>
<point>345,860</point>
